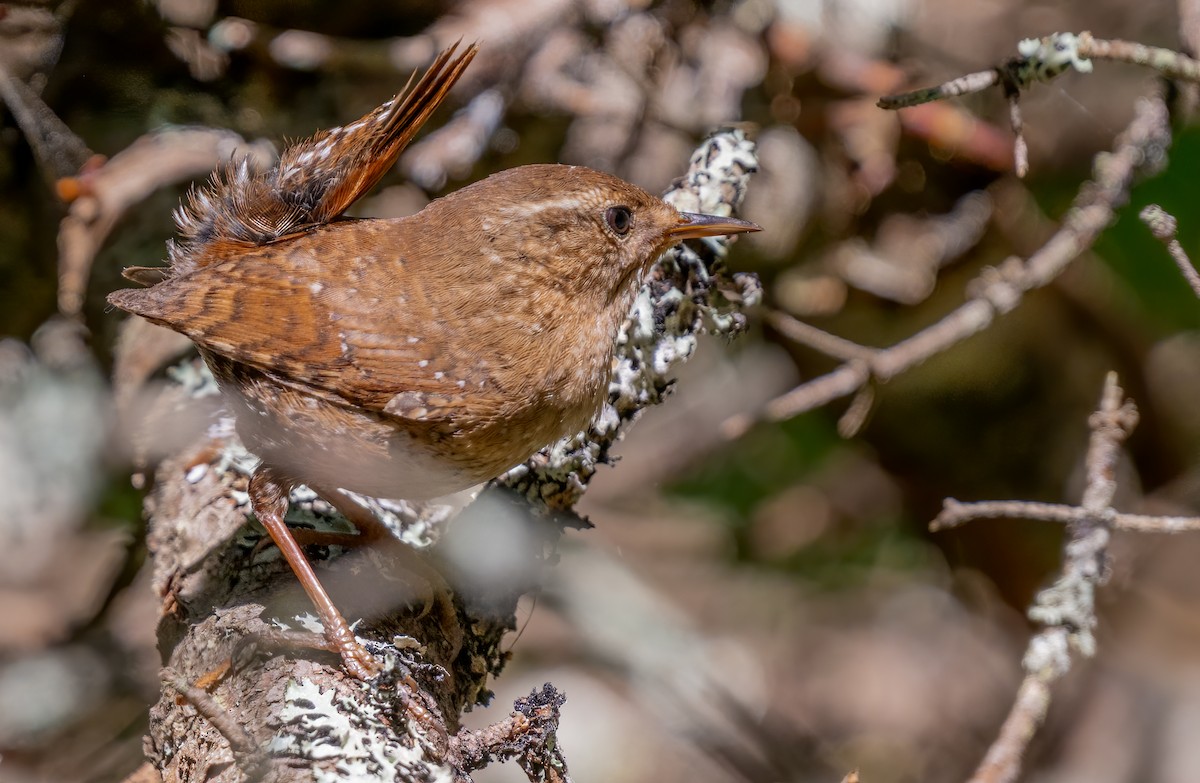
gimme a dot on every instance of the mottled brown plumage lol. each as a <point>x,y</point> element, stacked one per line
<point>413,357</point>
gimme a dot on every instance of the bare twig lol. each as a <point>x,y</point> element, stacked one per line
<point>819,339</point>
<point>1020,148</point>
<point>1144,523</point>
<point>107,192</point>
<point>963,85</point>
<point>60,153</point>
<point>1163,226</point>
<point>955,513</point>
<point>1066,609</point>
<point>1168,62</point>
<point>1015,75</point>
<point>1003,760</point>
<point>242,745</point>
<point>1042,60</point>
<point>1139,148</point>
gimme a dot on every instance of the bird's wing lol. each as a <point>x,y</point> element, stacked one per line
<point>347,332</point>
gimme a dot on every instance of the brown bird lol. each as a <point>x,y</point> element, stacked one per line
<point>407,358</point>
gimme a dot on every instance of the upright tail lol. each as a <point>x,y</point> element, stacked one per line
<point>314,181</point>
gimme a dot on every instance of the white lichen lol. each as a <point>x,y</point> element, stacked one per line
<point>350,740</point>
<point>1048,57</point>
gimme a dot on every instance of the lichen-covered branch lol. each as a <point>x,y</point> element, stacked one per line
<point>528,736</point>
<point>1043,59</point>
<point>1040,60</point>
<point>1066,609</point>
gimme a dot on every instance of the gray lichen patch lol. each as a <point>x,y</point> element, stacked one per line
<point>351,740</point>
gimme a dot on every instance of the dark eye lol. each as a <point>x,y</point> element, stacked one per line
<point>619,219</point>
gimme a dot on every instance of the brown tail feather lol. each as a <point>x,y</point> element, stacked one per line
<point>315,180</point>
<point>372,149</point>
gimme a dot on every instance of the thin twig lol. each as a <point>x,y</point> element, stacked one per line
<point>1168,62</point>
<point>1144,523</point>
<point>60,153</point>
<point>963,85</point>
<point>996,291</point>
<point>1003,759</point>
<point>955,513</point>
<point>1041,60</point>
<point>1066,609</point>
<point>806,334</point>
<point>247,752</point>
<point>857,413</point>
<point>1163,226</point>
<point>1020,148</point>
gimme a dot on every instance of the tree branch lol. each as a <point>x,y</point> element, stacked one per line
<point>1140,149</point>
<point>1066,610</point>
<point>1163,226</point>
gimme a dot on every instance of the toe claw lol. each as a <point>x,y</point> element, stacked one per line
<point>360,663</point>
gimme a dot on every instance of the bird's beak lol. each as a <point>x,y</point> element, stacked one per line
<point>694,226</point>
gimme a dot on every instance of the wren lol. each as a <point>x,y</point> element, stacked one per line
<point>408,358</point>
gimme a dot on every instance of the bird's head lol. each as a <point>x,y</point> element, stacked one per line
<point>581,226</point>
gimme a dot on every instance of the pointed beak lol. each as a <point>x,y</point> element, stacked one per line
<point>695,226</point>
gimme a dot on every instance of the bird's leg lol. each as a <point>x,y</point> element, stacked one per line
<point>433,590</point>
<point>269,500</point>
<point>370,529</point>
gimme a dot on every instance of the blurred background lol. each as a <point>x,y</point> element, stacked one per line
<point>790,566</point>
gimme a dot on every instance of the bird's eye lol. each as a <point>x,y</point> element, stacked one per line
<point>619,219</point>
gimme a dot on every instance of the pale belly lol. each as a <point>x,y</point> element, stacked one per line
<point>329,446</point>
